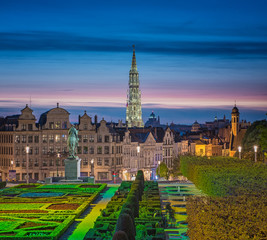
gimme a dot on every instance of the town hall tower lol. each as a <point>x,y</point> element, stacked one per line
<point>133,107</point>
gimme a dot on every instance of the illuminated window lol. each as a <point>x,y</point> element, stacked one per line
<point>57,125</point>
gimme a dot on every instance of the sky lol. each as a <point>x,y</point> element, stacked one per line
<point>195,58</point>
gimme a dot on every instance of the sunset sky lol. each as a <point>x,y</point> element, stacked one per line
<point>195,58</point>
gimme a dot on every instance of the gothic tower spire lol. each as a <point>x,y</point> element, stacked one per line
<point>133,107</point>
<point>134,66</point>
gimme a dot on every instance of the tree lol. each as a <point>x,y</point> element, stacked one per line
<point>256,134</point>
<point>175,171</point>
<point>163,171</point>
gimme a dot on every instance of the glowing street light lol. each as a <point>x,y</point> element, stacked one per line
<point>92,167</point>
<point>58,157</point>
<point>255,150</point>
<point>27,164</point>
<point>239,150</point>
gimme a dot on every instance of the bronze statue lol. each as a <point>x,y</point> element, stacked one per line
<point>73,141</point>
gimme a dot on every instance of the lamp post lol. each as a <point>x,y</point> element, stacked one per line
<point>239,150</point>
<point>159,168</point>
<point>58,158</point>
<point>92,167</point>
<point>11,162</point>
<point>255,150</point>
<point>27,164</point>
<point>138,155</point>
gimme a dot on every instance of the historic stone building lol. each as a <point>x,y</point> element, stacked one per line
<point>133,108</point>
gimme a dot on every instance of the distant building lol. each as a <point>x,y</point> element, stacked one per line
<point>196,127</point>
<point>237,131</point>
<point>152,121</point>
<point>133,107</point>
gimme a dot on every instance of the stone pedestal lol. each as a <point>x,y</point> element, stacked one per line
<point>72,168</point>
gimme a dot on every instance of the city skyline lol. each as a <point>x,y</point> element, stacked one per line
<point>189,56</point>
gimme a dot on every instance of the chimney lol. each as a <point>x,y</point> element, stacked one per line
<point>95,119</point>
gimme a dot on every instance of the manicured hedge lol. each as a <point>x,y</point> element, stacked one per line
<point>234,217</point>
<point>220,176</point>
<point>236,205</point>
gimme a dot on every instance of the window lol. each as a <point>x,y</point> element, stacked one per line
<point>23,162</point>
<point>23,127</point>
<point>106,162</point>
<point>44,163</point>
<point>51,125</point>
<point>91,150</point>
<point>85,138</point>
<point>17,139</point>
<point>17,151</point>
<point>36,150</point>
<point>36,139</point>
<point>30,162</point>
<point>44,138</point>
<point>64,125</point>
<point>17,163</point>
<point>57,149</point>
<point>30,139</point>
<point>51,162</point>
<point>57,125</point>
<point>85,161</point>
<point>64,138</point>
<point>99,138</point>
<point>91,139</point>
<point>51,138</point>
<point>29,127</point>
<point>106,149</point>
<point>85,127</point>
<point>80,138</point>
<point>85,150</point>
<point>79,150</point>
<point>99,161</point>
<point>30,151</point>
<point>44,150</point>
<point>99,150</point>
<point>51,149</point>
<point>65,150</point>
<point>57,137</point>
<point>106,138</point>
<point>23,139</point>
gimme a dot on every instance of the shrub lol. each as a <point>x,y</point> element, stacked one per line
<point>120,235</point>
<point>2,184</point>
<point>126,225</point>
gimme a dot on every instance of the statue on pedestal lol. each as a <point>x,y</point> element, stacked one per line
<point>73,162</point>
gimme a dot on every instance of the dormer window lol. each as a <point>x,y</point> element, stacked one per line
<point>51,125</point>
<point>57,125</point>
<point>85,127</point>
<point>23,127</point>
<point>29,127</point>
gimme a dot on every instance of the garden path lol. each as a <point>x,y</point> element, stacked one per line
<point>176,194</point>
<point>87,222</point>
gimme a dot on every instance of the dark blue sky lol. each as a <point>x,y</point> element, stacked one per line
<point>190,54</point>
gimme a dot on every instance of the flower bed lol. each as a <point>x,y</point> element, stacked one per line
<point>36,211</point>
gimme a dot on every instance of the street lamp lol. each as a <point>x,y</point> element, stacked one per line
<point>255,150</point>
<point>159,168</point>
<point>27,164</point>
<point>92,167</point>
<point>239,150</point>
<point>138,155</point>
<point>11,162</point>
<point>58,157</point>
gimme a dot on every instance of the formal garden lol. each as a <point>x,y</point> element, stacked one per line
<point>228,199</point>
<point>37,211</point>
